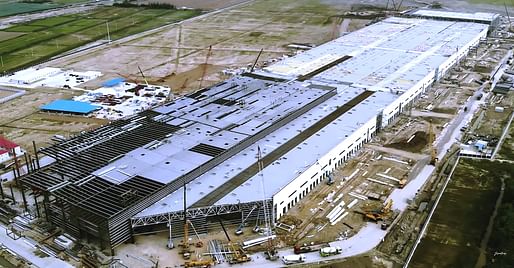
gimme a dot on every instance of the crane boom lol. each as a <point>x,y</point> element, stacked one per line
<point>204,67</point>
<point>255,62</point>
<point>143,75</point>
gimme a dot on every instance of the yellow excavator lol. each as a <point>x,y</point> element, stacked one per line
<point>380,215</point>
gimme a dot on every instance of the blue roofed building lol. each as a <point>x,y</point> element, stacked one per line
<point>69,106</point>
<point>112,82</point>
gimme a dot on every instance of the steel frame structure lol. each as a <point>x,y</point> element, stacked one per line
<point>198,212</point>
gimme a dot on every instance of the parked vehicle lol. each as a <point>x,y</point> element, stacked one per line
<point>328,251</point>
<point>290,259</point>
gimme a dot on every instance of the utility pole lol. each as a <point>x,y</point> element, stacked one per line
<point>2,61</point>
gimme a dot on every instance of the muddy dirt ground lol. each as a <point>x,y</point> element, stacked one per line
<point>22,122</point>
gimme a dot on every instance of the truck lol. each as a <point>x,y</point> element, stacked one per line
<point>290,259</point>
<point>328,251</point>
<point>308,248</point>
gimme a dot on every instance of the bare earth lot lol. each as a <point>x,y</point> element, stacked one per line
<point>21,121</point>
<point>236,37</point>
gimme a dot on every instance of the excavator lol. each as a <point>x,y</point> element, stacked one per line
<point>384,214</point>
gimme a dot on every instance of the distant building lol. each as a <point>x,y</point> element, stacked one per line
<point>4,155</point>
<point>69,107</point>
<point>6,148</point>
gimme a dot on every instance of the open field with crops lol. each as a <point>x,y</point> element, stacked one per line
<point>41,39</point>
<point>454,236</point>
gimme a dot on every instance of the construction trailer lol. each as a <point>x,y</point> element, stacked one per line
<point>308,114</point>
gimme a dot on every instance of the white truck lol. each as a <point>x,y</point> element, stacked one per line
<point>327,251</point>
<point>290,259</point>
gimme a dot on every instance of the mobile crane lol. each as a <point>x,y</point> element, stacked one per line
<point>184,244</point>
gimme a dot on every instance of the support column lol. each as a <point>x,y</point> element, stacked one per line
<point>45,206</point>
<point>2,189</point>
<point>12,194</point>
<point>37,205</point>
<point>35,153</point>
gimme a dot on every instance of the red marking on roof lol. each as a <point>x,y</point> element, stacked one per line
<point>3,151</point>
<point>7,144</point>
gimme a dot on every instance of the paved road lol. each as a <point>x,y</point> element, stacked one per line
<point>452,133</point>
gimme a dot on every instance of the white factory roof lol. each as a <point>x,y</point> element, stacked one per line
<point>478,16</point>
<point>281,172</point>
<point>392,55</point>
<point>388,57</point>
<point>216,127</point>
<point>48,77</point>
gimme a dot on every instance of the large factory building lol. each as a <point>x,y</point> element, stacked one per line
<point>253,145</point>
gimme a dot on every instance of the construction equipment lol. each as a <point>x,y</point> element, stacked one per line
<point>184,244</point>
<point>256,229</point>
<point>380,215</point>
<point>224,230</point>
<point>198,263</point>
<point>255,62</point>
<point>431,139</point>
<point>239,229</point>
<point>271,252</point>
<point>143,75</point>
<point>170,244</point>
<point>238,254</point>
<point>308,248</point>
<point>199,243</point>
<point>204,67</point>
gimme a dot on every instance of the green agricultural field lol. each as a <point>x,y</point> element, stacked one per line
<point>9,35</point>
<point>45,38</point>
<point>458,225</point>
<point>13,8</point>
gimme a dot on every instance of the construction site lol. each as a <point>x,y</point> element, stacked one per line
<point>328,152</point>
